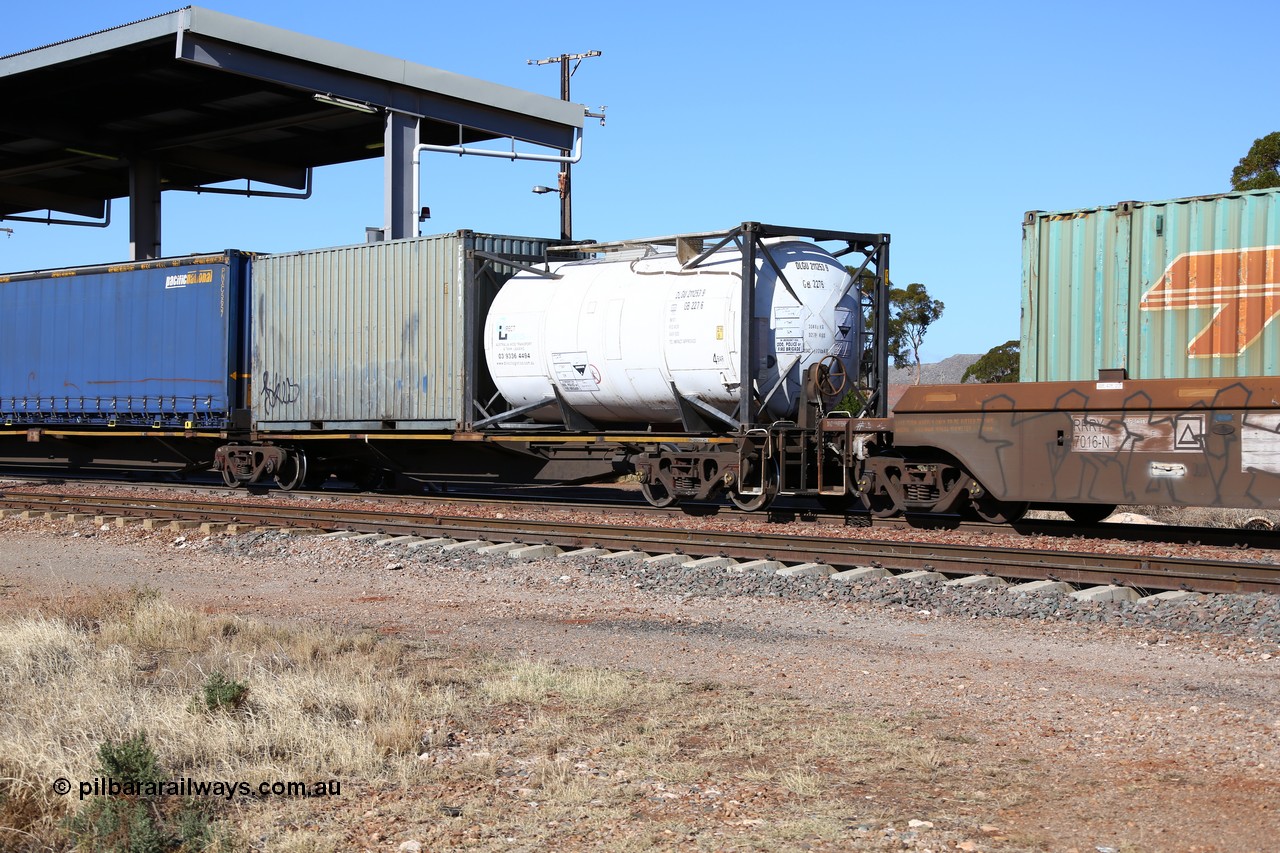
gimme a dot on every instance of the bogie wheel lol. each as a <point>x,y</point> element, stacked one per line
<point>657,494</point>
<point>993,511</point>
<point>753,503</point>
<point>230,479</point>
<point>1088,513</point>
<point>293,473</point>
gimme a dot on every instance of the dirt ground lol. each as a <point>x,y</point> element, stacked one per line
<point>1128,740</point>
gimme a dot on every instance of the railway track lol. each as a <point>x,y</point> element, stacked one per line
<point>1143,572</point>
<point>618,500</point>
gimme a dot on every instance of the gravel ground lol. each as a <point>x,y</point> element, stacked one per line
<point>1141,727</point>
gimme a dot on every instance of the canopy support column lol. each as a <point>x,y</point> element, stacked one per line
<point>144,209</point>
<point>400,138</point>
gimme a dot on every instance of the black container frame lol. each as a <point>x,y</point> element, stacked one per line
<point>484,272</point>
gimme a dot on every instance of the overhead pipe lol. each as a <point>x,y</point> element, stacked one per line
<point>462,150</point>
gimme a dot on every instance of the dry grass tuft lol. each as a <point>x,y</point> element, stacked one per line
<point>802,783</point>
<point>550,756</point>
<point>318,705</point>
<point>537,682</point>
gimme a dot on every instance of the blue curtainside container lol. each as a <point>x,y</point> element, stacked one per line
<point>160,343</point>
<point>1186,288</point>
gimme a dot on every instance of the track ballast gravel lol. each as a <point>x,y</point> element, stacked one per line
<point>1147,727</point>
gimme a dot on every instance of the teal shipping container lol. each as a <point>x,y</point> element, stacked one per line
<point>1185,288</point>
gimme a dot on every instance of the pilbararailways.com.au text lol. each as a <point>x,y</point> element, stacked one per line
<point>108,787</point>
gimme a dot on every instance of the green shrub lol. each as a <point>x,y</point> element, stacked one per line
<point>221,693</point>
<point>119,825</point>
<point>130,761</point>
<point>133,820</point>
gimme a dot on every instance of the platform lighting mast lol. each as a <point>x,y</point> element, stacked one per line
<point>566,204</point>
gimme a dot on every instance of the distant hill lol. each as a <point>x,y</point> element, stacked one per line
<point>945,372</point>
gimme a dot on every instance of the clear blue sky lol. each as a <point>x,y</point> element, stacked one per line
<point>940,123</point>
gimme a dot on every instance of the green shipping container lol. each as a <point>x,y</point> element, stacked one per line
<point>1184,288</point>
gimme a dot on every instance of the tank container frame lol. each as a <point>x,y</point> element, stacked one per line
<point>869,256</point>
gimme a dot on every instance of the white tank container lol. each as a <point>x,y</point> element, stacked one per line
<point>614,336</point>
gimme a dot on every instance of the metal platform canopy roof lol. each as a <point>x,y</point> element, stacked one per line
<point>196,97</point>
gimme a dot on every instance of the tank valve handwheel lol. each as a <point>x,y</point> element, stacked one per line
<point>832,376</point>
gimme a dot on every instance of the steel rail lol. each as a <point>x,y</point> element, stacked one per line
<point>786,513</point>
<point>1139,571</point>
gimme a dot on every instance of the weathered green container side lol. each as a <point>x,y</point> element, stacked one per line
<point>368,337</point>
<point>1183,288</point>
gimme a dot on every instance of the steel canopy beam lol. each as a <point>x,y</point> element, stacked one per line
<point>144,209</point>
<point>234,167</point>
<point>384,94</point>
<point>15,199</point>
<point>401,135</point>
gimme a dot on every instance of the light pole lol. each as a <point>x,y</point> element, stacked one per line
<point>566,203</point>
